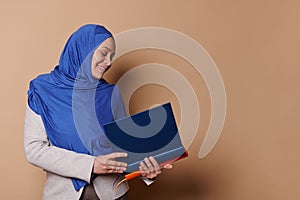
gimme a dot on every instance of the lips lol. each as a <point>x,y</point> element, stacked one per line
<point>101,68</point>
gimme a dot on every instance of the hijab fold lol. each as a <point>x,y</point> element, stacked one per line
<point>72,104</point>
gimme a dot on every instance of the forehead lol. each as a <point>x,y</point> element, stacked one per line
<point>108,44</point>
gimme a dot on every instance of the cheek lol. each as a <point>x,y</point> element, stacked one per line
<point>97,59</point>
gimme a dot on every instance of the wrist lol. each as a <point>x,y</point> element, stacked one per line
<point>94,171</point>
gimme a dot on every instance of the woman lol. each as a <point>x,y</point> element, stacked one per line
<point>65,112</point>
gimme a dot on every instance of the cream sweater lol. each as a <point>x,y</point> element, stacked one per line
<point>60,165</point>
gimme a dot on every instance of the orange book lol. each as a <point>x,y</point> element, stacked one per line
<point>135,174</point>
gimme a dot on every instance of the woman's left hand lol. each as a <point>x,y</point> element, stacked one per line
<point>150,168</point>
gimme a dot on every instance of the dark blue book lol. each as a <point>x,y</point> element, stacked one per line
<point>149,133</point>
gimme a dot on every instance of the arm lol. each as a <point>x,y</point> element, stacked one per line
<point>40,153</point>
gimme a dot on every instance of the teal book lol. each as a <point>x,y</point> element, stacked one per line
<point>148,133</point>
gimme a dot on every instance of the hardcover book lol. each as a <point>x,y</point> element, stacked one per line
<point>148,133</point>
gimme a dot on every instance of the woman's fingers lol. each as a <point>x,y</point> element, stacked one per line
<point>116,165</point>
<point>143,168</point>
<point>168,166</point>
<point>107,164</point>
<point>113,169</point>
<point>155,165</point>
<point>116,155</point>
<point>113,163</point>
<point>150,167</point>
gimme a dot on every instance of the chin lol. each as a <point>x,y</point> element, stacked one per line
<point>97,77</point>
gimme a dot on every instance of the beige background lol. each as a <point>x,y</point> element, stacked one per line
<point>256,47</point>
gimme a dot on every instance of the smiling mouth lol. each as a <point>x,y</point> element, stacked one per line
<point>101,68</point>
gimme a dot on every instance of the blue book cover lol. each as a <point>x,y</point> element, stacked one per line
<point>149,133</point>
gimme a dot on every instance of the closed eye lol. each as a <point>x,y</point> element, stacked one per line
<point>103,53</point>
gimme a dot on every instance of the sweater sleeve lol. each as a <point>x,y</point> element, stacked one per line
<point>60,161</point>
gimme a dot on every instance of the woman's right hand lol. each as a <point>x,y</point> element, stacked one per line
<point>105,164</point>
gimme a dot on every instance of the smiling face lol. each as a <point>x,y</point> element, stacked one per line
<point>102,58</point>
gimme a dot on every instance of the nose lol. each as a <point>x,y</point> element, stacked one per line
<point>107,60</point>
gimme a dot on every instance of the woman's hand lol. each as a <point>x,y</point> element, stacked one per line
<point>150,167</point>
<point>105,164</point>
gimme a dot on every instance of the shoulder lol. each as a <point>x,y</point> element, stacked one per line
<point>39,80</point>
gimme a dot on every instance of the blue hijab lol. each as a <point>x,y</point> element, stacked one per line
<point>72,104</point>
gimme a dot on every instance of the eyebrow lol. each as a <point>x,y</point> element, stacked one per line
<point>108,48</point>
